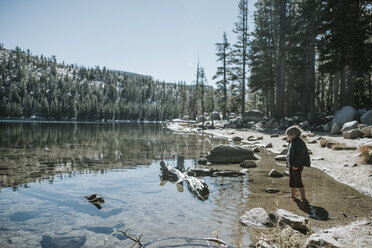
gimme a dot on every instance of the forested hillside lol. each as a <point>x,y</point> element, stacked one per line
<point>39,86</point>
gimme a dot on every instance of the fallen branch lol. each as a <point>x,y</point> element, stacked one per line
<point>196,186</point>
<point>134,239</point>
<point>218,241</point>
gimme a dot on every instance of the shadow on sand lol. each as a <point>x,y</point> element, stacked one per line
<point>315,212</point>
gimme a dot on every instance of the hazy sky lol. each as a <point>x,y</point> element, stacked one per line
<point>160,38</point>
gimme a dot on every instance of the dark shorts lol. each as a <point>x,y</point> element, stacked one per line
<point>295,180</point>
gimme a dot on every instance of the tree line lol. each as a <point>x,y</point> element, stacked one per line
<point>301,56</point>
<point>39,86</point>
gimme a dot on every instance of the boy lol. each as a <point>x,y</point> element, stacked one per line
<point>297,158</point>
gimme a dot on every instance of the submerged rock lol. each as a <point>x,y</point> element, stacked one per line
<point>227,154</point>
<point>62,241</point>
<point>255,217</point>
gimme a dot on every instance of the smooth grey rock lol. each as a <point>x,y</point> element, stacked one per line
<point>352,134</point>
<point>275,173</point>
<point>255,217</point>
<point>346,114</point>
<point>297,222</point>
<point>349,126</point>
<point>248,164</point>
<point>62,241</point>
<point>228,154</point>
<point>327,127</point>
<point>367,131</point>
<point>281,158</point>
<point>336,128</point>
<point>367,118</point>
<point>253,115</point>
<point>321,240</point>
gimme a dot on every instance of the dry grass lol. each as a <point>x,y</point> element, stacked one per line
<point>366,154</point>
<point>343,146</point>
<point>283,237</point>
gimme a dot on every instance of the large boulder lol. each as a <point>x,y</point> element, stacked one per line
<point>215,116</point>
<point>349,126</point>
<point>253,115</point>
<point>228,154</point>
<point>61,241</point>
<point>336,128</point>
<point>346,114</point>
<point>367,131</point>
<point>352,134</point>
<point>367,118</point>
<point>297,222</point>
<point>255,217</point>
<point>321,240</point>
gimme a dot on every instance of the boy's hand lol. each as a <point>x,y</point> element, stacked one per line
<point>295,168</point>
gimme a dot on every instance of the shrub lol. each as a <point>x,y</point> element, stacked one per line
<point>366,153</point>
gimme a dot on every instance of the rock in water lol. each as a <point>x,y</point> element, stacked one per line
<point>227,154</point>
<point>61,241</point>
<point>255,217</point>
<point>297,222</point>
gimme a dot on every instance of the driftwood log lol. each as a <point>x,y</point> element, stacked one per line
<point>213,173</point>
<point>196,186</point>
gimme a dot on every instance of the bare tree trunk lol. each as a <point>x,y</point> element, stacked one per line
<point>281,76</point>
<point>342,100</point>
<point>336,86</point>
<point>322,87</point>
<point>350,87</point>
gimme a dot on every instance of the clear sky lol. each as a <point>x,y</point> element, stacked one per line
<point>160,38</point>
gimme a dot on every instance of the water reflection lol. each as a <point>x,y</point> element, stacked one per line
<point>32,152</point>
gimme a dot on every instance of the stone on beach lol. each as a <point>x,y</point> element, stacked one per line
<point>248,164</point>
<point>228,154</point>
<point>255,217</point>
<point>283,216</point>
<point>275,173</point>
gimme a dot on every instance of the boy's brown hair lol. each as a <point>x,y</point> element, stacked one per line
<point>294,130</point>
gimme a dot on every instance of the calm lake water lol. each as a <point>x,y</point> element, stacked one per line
<point>45,168</point>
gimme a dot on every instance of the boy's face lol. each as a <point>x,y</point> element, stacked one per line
<point>290,137</point>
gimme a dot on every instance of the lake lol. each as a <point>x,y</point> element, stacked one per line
<point>46,168</point>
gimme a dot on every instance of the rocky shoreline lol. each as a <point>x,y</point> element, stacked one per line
<point>345,166</point>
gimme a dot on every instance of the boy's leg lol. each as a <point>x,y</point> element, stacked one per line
<point>302,191</point>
